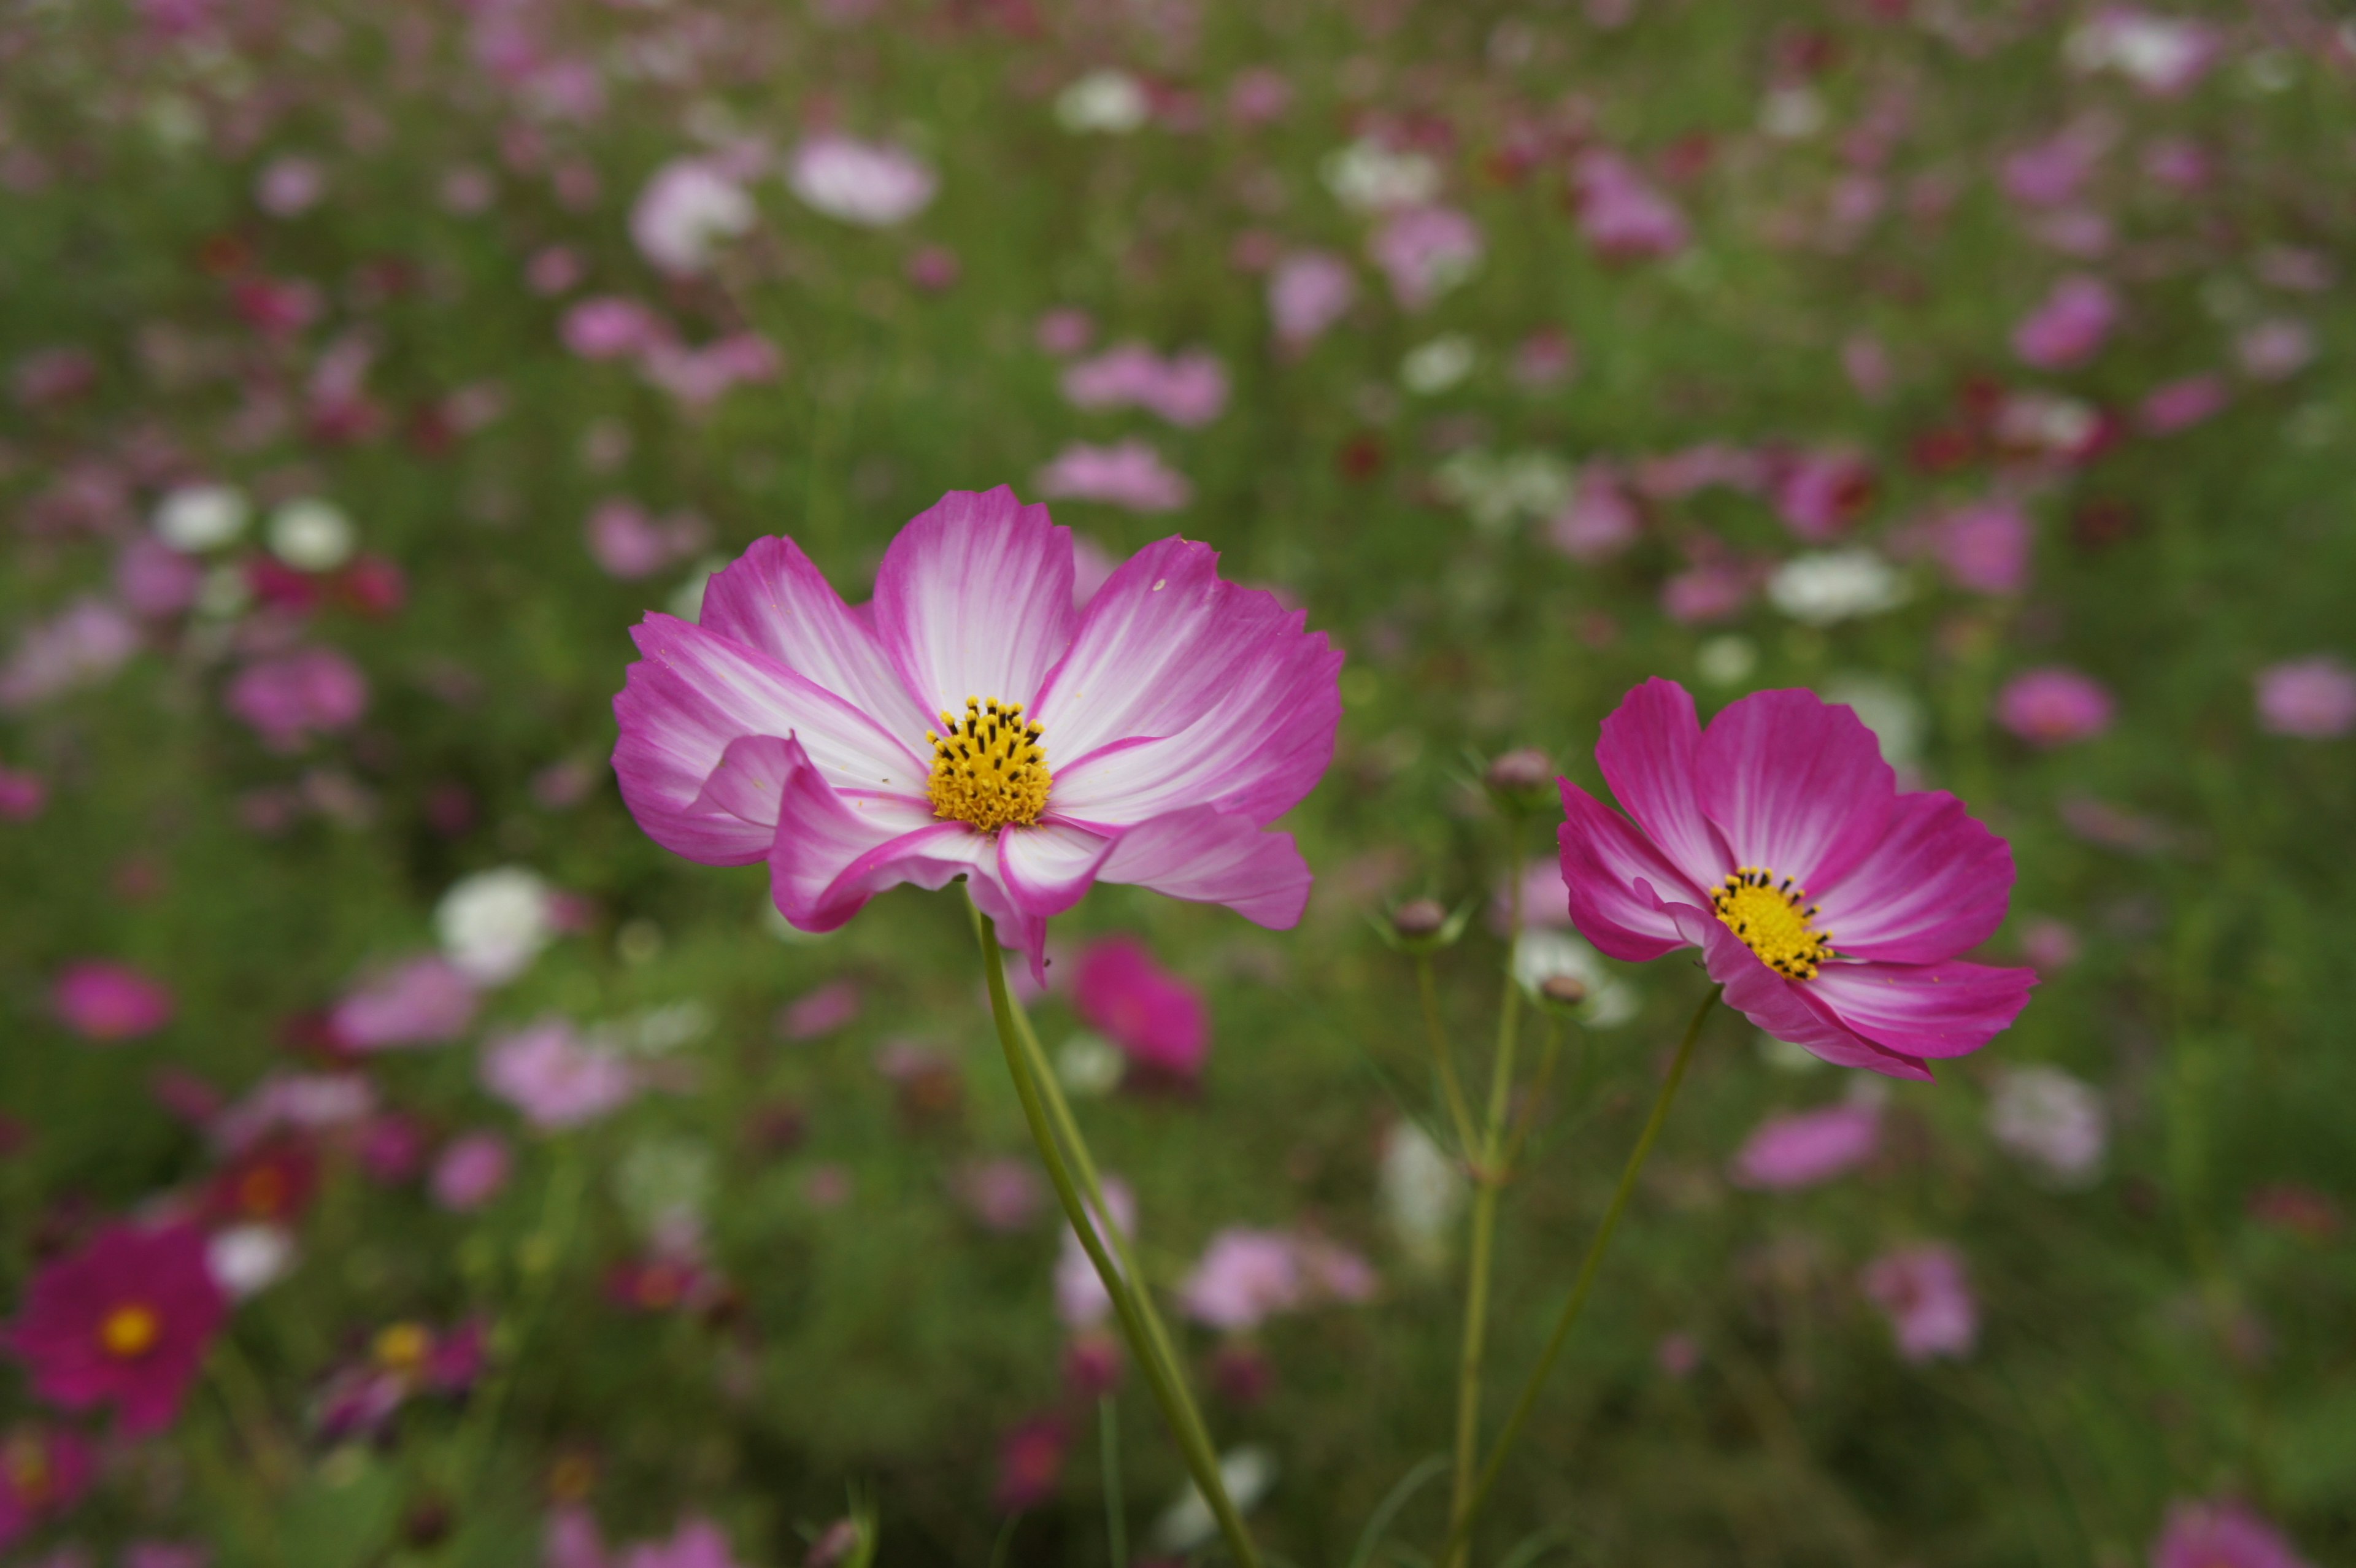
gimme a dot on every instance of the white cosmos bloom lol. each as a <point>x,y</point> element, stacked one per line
<point>312,534</point>
<point>199,518</point>
<point>1366,176</point>
<point>494,923</point>
<point>1112,101</point>
<point>2052,1121</point>
<point>245,1260</point>
<point>1542,953</point>
<point>1895,715</point>
<point>1422,1193</point>
<point>1436,366</point>
<point>1826,586</point>
<point>1247,1473</point>
<point>873,183</point>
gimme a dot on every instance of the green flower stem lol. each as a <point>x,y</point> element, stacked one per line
<point>1443,1060</point>
<point>1581,1286</point>
<point>1547,1053</point>
<point>1161,1372</point>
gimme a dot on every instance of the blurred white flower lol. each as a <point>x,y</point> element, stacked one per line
<point>1112,101</point>
<point>1542,954</point>
<point>1726,660</point>
<point>873,183</point>
<point>1422,1193</point>
<point>1247,1473</point>
<point>2052,1121</point>
<point>1792,114</point>
<point>1827,586</point>
<point>685,211</point>
<point>1089,1065</point>
<point>1497,491</point>
<point>687,599</point>
<point>246,1260</point>
<point>312,534</point>
<point>494,923</point>
<point>665,1185</point>
<point>1786,1057</point>
<point>1436,366</point>
<point>1366,176</point>
<point>1895,715</point>
<point>199,518</point>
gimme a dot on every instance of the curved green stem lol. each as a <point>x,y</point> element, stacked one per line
<point>1160,1369</point>
<point>1461,1527</point>
<point>1443,1060</point>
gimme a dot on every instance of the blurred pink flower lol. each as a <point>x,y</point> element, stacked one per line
<point>1820,494</point>
<point>697,1543</point>
<point>1158,1020</point>
<point>1808,1148</point>
<point>2221,1533</point>
<point>2314,697</point>
<point>1865,362</point>
<point>1983,548</point>
<point>1063,330</point>
<point>289,699</point>
<point>471,1171</point>
<point>2053,707</point>
<point>831,1007</point>
<point>610,326</point>
<point>1258,95</point>
<point>1923,1292</point>
<point>1599,521</point>
<point>1710,591</point>
<point>697,377</point>
<point>1030,1463</point>
<point>2181,404</point>
<point>106,1002</point>
<point>556,269</point>
<point>1092,568</point>
<point>1080,1298</point>
<point>687,211</point>
<point>2277,350</point>
<point>1003,1195</point>
<point>1424,251</point>
<point>126,1321</point>
<point>424,1001</point>
<point>629,543</point>
<point>1547,357</point>
<point>44,1471</point>
<point>2053,172</point>
<point>79,646</point>
<point>1243,1277</point>
<point>2163,56</point>
<point>2177,162</point>
<point>51,376</point>
<point>165,1554</point>
<point>290,184</point>
<point>1128,473</point>
<point>154,580</point>
<point>1622,216</point>
<point>2048,944</point>
<point>1679,1354</point>
<point>1308,292</point>
<point>2070,327</point>
<point>1188,389</point>
<point>874,184</point>
<point>555,1077</point>
<point>23,795</point>
<point>934,268</point>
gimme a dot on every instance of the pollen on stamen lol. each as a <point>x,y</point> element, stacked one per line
<point>1774,920</point>
<point>989,768</point>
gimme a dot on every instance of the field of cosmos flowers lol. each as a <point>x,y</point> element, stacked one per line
<point>1325,784</point>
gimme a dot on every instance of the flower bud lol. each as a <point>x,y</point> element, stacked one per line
<point>1563,990</point>
<point>1520,770</point>
<point>1419,918</point>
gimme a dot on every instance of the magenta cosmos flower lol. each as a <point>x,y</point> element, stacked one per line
<point>125,1321</point>
<point>1829,905</point>
<point>2224,1534</point>
<point>970,722</point>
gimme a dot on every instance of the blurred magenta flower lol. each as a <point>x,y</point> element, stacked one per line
<point>290,698</point>
<point>612,327</point>
<point>80,646</point>
<point>471,1171</point>
<point>2070,327</point>
<point>1080,1298</point>
<point>290,184</point>
<point>1924,1294</point>
<point>1003,1194</point>
<point>2314,698</point>
<point>1599,521</point>
<point>2053,172</point>
<point>2276,349</point>
<point>1983,548</point>
<point>1424,251</point>
<point>1188,389</point>
<point>154,580</point>
<point>1149,738</point>
<point>1030,1463</point>
<point>687,211</point>
<point>423,1001</point>
<point>699,376</point>
<point>629,543</point>
<point>44,1470</point>
<point>555,1077</point>
<point>1063,330</point>
<point>124,1321</point>
<point>23,795</point>
<point>1308,292</point>
<point>1127,474</point>
<point>2053,707</point>
<point>2221,1533</point>
<point>2181,404</point>
<point>1808,1148</point>
<point>874,184</point>
<point>822,1011</point>
<point>1159,1020</point>
<point>696,1543</point>
<point>1622,216</point>
<point>1243,1277</point>
<point>1768,837</point>
<point>103,1001</point>
<point>1820,494</point>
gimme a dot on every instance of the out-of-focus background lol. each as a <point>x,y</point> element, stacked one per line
<point>371,369</point>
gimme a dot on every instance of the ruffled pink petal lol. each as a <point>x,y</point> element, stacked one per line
<point>831,852</point>
<point>773,599</point>
<point>1936,885</point>
<point>691,695</point>
<point>1780,1006</point>
<point>1794,784</point>
<point>1047,868</point>
<point>974,598</point>
<point>1204,856</point>
<point>1261,746</point>
<point>1648,752</point>
<point>1924,1009</point>
<point>1604,862</point>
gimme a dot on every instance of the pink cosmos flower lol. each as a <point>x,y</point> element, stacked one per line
<point>2053,707</point>
<point>2070,327</point>
<point>2162,56</point>
<point>2276,349</point>
<point>125,1321</point>
<point>1622,216</point>
<point>1822,492</point>
<point>288,699</point>
<point>23,795</point>
<point>629,543</point>
<point>44,1470</point>
<point>555,1077</point>
<point>1924,1294</point>
<point>1188,389</point>
<point>1243,1277</point>
<point>687,211</point>
<point>1003,1194</point>
<point>1308,291</point>
<point>471,1171</point>
<point>2052,171</point>
<point>2314,698</point>
<point>1127,474</point>
<point>1030,1463</point>
<point>1080,1298</point>
<point>1827,904</point>
<point>1424,251</point>
<point>699,376</point>
<point>290,185</point>
<point>1158,1020</point>
<point>425,1001</point>
<point>105,1002</point>
<point>79,646</point>
<point>612,327</point>
<point>1809,1147</point>
<point>697,1543</point>
<point>153,578</point>
<point>1983,549</point>
<point>2181,404</point>
<point>1150,739</point>
<point>874,184</point>
<point>2221,1534</point>
<point>1599,521</point>
<point>831,1007</point>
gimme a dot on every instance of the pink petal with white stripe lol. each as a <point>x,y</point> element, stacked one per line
<point>974,598</point>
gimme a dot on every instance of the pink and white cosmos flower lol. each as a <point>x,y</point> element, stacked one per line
<point>970,722</point>
<point>1829,905</point>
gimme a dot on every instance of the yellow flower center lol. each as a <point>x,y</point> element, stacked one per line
<point>988,769</point>
<point>130,1330</point>
<point>25,1460</point>
<point>1774,920</point>
<point>403,1347</point>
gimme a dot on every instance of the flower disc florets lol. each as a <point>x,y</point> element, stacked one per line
<point>1774,920</point>
<point>987,767</point>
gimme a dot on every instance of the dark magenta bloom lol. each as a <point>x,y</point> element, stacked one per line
<point>107,1002</point>
<point>126,1321</point>
<point>1830,905</point>
<point>44,1470</point>
<point>2223,1534</point>
<point>1158,1020</point>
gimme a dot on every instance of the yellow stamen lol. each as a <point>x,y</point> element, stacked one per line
<point>1774,920</point>
<point>403,1347</point>
<point>987,767</point>
<point>130,1330</point>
